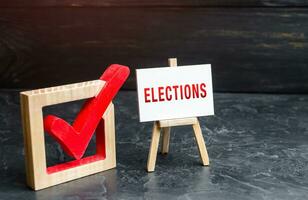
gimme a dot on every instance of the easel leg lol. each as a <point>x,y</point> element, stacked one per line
<point>166,140</point>
<point>201,145</point>
<point>154,147</point>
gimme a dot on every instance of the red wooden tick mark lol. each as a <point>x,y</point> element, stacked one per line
<point>75,139</point>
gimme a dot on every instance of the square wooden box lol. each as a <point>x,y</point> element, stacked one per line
<point>40,176</point>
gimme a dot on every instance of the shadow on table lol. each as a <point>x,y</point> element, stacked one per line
<point>101,185</point>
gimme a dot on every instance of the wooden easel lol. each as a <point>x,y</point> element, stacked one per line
<point>165,126</point>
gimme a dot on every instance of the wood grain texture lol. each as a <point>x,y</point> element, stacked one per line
<point>201,144</point>
<point>165,140</point>
<point>147,3</point>
<point>251,50</point>
<point>177,122</point>
<point>40,176</point>
<point>153,148</point>
<point>65,93</point>
<point>166,125</point>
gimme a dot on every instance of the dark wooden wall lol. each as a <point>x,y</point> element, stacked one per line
<point>253,46</point>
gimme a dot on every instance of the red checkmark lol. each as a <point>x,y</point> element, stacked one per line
<point>75,139</point>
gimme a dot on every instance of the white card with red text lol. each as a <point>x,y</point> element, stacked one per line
<point>175,92</point>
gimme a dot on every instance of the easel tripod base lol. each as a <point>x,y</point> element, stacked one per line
<point>164,126</point>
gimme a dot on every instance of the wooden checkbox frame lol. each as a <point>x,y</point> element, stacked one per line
<point>39,176</point>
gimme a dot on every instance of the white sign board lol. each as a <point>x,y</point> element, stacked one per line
<point>174,92</point>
